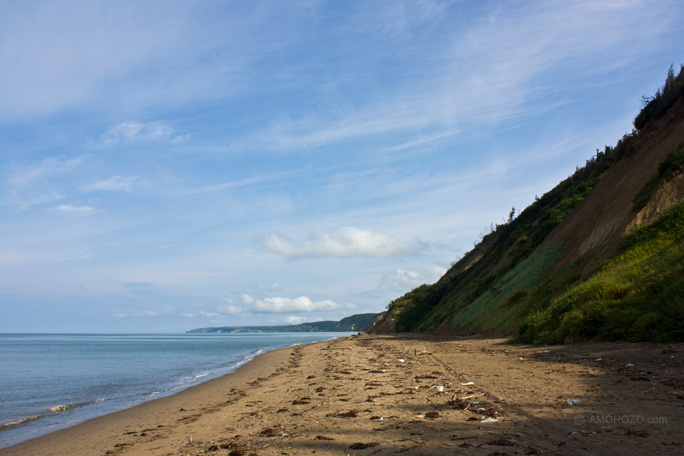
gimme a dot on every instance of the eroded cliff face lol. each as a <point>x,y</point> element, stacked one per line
<point>607,212</point>
<point>384,325</point>
<point>667,195</point>
<point>499,279</point>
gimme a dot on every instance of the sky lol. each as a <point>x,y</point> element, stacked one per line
<point>170,165</point>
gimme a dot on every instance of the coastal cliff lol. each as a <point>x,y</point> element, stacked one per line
<point>600,256</point>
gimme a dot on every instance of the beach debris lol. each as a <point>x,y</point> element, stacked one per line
<point>425,377</point>
<point>467,383</point>
<point>502,440</point>
<point>489,419</point>
<point>402,360</point>
<point>640,379</point>
<point>363,446</point>
<point>457,404</point>
<point>573,401</point>
<point>349,414</point>
<point>271,432</point>
<point>472,396</point>
<point>629,365</point>
<point>440,387</point>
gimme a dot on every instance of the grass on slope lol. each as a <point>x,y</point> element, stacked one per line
<point>496,308</point>
<point>505,273</point>
<point>638,295</point>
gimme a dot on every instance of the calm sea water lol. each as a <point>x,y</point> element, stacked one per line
<point>49,382</point>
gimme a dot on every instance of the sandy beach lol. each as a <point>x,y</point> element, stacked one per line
<point>386,395</point>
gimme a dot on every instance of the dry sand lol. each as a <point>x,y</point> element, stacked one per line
<point>380,395</point>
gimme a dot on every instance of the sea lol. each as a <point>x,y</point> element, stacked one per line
<point>53,381</point>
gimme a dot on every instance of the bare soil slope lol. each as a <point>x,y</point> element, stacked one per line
<point>606,212</point>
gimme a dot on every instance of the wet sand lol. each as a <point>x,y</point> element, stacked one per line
<point>387,395</point>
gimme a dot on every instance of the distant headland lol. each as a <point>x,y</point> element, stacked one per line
<point>358,322</point>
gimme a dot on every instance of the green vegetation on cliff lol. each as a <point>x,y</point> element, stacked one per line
<point>482,297</point>
<point>636,295</point>
<point>520,282</point>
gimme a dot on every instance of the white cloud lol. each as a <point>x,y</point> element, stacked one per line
<point>138,131</point>
<point>247,299</point>
<point>300,304</point>
<point>407,279</point>
<point>113,184</point>
<point>346,242</point>
<point>70,209</point>
<point>403,278</point>
<point>229,309</point>
<point>294,320</point>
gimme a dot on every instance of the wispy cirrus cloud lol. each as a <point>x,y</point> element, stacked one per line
<point>113,184</point>
<point>345,242</point>
<point>132,131</point>
<point>154,313</point>
<point>74,209</point>
<point>511,64</point>
<point>271,287</point>
<point>24,175</point>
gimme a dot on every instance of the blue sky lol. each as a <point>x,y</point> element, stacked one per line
<point>168,165</point>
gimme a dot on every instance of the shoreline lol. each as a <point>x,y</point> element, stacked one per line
<point>25,419</point>
<point>385,395</point>
<point>257,365</point>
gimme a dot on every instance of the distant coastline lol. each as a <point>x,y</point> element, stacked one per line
<point>358,322</point>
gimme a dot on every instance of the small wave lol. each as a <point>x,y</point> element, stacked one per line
<point>50,411</point>
<point>18,422</point>
<point>64,408</point>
